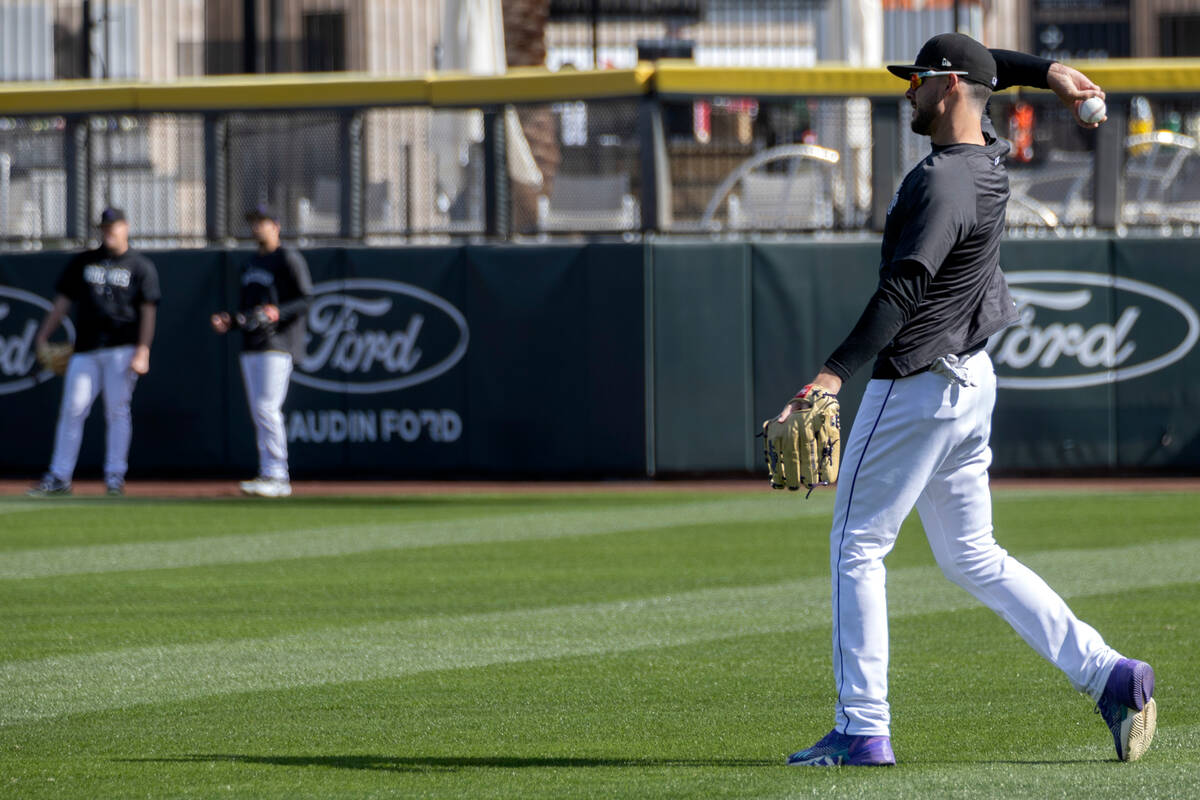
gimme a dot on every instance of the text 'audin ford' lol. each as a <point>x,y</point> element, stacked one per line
<point>1070,337</point>
<point>368,336</point>
<point>20,314</point>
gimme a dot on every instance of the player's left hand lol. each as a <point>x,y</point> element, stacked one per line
<point>55,357</point>
<point>271,312</point>
<point>803,444</point>
<point>1072,88</point>
<point>141,360</point>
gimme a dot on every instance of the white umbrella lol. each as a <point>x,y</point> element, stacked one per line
<point>473,41</point>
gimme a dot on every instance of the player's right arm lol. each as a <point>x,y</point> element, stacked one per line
<point>1070,85</point>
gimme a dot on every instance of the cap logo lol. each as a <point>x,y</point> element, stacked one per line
<point>946,62</point>
<point>994,81</point>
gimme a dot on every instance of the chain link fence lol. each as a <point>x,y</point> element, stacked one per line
<point>295,163</point>
<point>722,164</point>
<point>744,164</point>
<point>572,167</point>
<point>1052,163</point>
<point>575,167</point>
<point>152,166</point>
<point>1161,171</point>
<point>33,197</point>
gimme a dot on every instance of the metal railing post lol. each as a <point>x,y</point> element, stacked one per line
<point>216,175</point>
<point>885,158</point>
<point>77,174</point>
<point>496,200</point>
<point>1110,158</point>
<point>350,134</point>
<point>652,162</point>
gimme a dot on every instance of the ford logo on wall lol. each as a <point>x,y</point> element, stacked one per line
<point>367,336</point>
<point>1080,329</point>
<point>21,313</point>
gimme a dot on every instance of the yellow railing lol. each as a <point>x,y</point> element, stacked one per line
<point>672,78</point>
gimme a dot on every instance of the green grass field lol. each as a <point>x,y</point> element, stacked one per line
<point>602,645</point>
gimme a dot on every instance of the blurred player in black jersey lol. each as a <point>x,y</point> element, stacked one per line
<point>114,292</point>
<point>274,299</point>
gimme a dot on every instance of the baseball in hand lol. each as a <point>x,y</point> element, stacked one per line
<point>1093,110</point>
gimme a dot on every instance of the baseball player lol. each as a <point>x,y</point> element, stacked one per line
<point>274,299</point>
<point>921,434</point>
<point>114,292</point>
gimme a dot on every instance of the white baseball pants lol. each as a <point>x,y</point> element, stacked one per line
<point>88,374</point>
<point>923,441</point>
<point>266,377</point>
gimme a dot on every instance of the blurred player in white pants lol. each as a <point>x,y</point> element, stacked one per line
<point>115,293</point>
<point>266,376</point>
<point>275,295</point>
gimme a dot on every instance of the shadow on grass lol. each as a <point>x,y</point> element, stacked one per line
<point>485,498</point>
<point>1058,762</point>
<point>420,764</point>
<point>453,763</point>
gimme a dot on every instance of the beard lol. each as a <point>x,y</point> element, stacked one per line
<point>922,121</point>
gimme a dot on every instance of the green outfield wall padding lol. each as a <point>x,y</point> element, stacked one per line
<point>1039,423</point>
<point>702,357</point>
<point>616,359</point>
<point>183,406</point>
<point>1157,412</point>
<point>806,299</point>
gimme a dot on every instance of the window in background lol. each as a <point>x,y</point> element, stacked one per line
<point>325,41</point>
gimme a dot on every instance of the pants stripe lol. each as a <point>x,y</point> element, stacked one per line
<point>845,522</point>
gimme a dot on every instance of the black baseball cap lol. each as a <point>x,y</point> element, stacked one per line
<point>262,211</point>
<point>952,52</point>
<point>111,215</point>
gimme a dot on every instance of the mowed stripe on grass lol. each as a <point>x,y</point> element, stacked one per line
<point>341,540</point>
<point>56,686</point>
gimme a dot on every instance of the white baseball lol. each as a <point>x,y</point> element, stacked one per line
<point>1093,110</point>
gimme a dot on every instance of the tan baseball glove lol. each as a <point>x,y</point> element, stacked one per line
<point>806,448</point>
<point>55,357</point>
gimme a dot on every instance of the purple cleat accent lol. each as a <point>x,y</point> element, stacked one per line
<point>1128,708</point>
<point>838,749</point>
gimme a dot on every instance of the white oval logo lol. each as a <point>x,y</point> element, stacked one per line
<point>21,313</point>
<point>368,336</point>
<point>1080,352</point>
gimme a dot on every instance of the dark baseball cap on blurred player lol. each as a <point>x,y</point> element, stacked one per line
<point>262,211</point>
<point>952,52</point>
<point>111,216</point>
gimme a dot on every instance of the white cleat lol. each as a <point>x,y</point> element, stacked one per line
<point>250,487</point>
<point>268,487</point>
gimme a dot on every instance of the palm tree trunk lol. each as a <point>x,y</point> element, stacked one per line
<point>525,46</point>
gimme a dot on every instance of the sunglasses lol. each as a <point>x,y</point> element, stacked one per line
<point>915,79</point>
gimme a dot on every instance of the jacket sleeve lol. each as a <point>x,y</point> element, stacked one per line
<point>892,305</point>
<point>1020,69</point>
<point>296,306</point>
